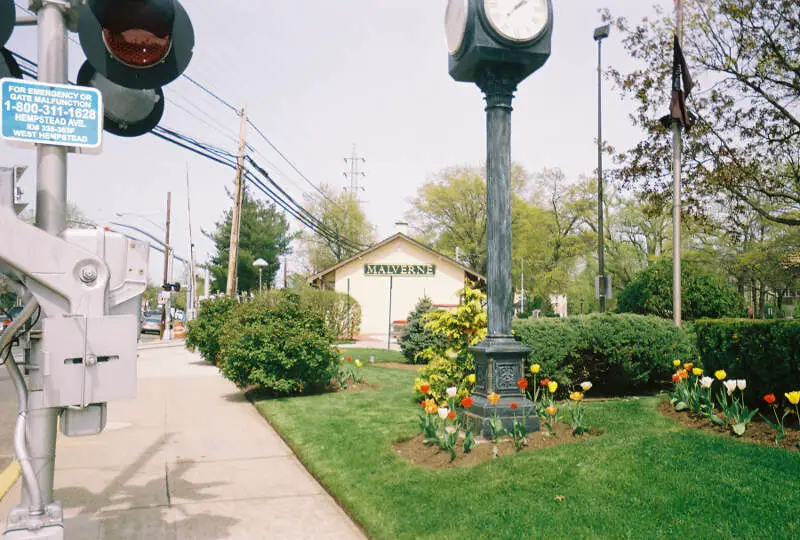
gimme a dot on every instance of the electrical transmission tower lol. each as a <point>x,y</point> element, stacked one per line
<point>354,175</point>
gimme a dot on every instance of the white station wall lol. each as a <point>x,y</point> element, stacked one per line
<point>372,292</point>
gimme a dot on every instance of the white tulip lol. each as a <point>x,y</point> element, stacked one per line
<point>741,384</point>
<point>586,385</point>
<point>443,412</point>
<point>730,385</point>
<point>705,382</point>
<point>452,391</point>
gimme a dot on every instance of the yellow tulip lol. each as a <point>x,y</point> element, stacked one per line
<point>720,374</point>
<point>552,386</point>
<point>697,371</point>
<point>493,398</point>
<point>676,363</point>
<point>793,397</point>
<point>576,396</point>
<point>535,368</point>
<point>430,406</point>
<point>471,378</point>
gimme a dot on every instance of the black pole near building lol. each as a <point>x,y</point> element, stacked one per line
<point>600,33</point>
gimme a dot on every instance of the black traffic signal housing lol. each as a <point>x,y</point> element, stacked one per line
<point>171,287</point>
<point>133,48</point>
<point>8,17</point>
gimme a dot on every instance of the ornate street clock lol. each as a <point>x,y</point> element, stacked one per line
<point>512,33</point>
<point>496,44</point>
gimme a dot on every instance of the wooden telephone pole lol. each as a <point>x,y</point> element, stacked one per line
<point>236,218</point>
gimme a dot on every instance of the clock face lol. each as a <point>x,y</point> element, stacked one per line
<point>455,23</point>
<point>517,20</point>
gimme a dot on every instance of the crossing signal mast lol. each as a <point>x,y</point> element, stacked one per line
<point>81,289</point>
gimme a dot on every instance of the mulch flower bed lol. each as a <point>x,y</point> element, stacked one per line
<point>418,453</point>
<point>758,431</point>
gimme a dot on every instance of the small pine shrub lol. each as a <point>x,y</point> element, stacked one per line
<point>416,337</point>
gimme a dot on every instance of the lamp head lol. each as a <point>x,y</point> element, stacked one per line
<point>601,32</point>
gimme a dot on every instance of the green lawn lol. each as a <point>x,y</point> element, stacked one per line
<point>645,477</point>
<point>381,355</point>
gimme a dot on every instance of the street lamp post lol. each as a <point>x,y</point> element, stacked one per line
<point>260,264</point>
<point>600,33</point>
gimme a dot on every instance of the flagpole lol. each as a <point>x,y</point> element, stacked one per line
<point>677,144</point>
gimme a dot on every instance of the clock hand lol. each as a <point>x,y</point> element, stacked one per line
<point>516,7</point>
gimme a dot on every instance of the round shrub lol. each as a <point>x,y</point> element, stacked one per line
<point>619,354</point>
<point>205,331</point>
<point>276,344</point>
<point>336,308</point>
<point>417,336</point>
<point>703,294</point>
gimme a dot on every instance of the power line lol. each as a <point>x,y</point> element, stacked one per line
<point>225,158</point>
<point>292,165</point>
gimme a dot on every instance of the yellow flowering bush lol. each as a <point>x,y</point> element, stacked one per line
<point>449,361</point>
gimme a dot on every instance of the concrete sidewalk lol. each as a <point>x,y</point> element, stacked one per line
<point>189,458</point>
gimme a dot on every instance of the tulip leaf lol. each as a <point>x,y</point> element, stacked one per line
<point>716,419</point>
<point>681,406</point>
<point>739,428</point>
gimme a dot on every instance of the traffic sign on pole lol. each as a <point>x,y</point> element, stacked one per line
<point>49,113</point>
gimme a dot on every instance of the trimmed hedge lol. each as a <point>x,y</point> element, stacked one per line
<point>766,353</point>
<point>618,353</point>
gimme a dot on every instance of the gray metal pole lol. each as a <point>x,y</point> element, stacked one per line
<point>677,144</point>
<point>677,148</point>
<point>51,216</point>
<point>600,251</point>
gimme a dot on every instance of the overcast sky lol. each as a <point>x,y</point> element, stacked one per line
<point>318,77</point>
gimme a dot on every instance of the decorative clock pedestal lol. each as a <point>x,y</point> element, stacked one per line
<point>497,44</point>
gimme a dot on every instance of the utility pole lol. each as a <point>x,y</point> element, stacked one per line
<point>285,272</point>
<point>236,218</point>
<point>354,175</point>
<point>191,296</point>
<point>165,312</point>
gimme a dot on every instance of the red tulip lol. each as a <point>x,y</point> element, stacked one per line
<point>466,402</point>
<point>451,415</point>
<point>425,388</point>
<point>522,383</point>
<point>514,405</point>
<point>770,399</point>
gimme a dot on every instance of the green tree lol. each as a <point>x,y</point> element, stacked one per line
<point>449,212</point>
<point>744,54</point>
<point>264,233</point>
<point>346,228</point>
<point>703,294</point>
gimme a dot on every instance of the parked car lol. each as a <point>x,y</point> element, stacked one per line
<point>9,315</point>
<point>151,323</point>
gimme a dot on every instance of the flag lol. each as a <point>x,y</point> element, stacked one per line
<point>680,74</point>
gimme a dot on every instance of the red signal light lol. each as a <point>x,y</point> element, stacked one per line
<point>137,33</point>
